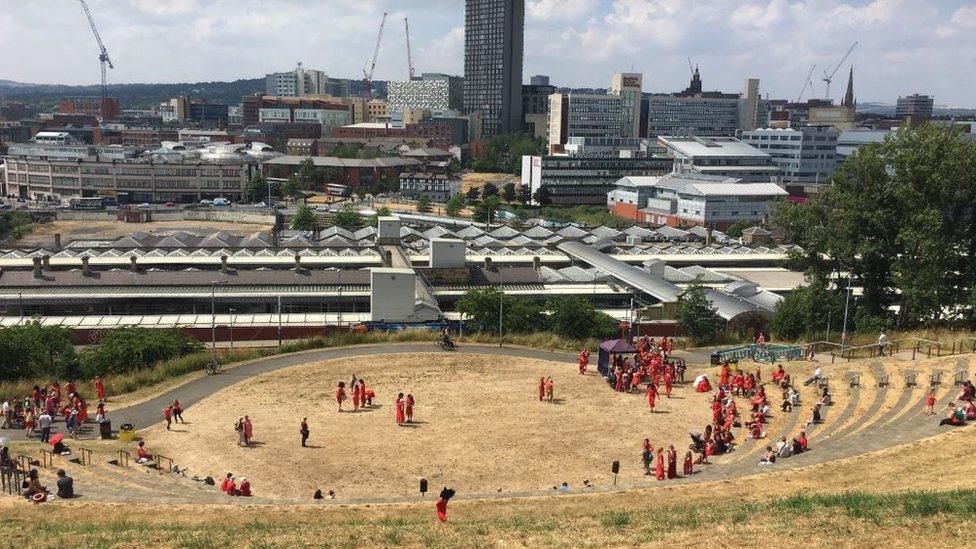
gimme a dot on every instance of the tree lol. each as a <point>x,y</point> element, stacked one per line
<point>454,206</point>
<point>525,194</point>
<point>304,219</point>
<point>347,217</point>
<point>423,204</point>
<point>34,350</point>
<point>542,196</point>
<point>473,193</point>
<point>291,188</point>
<point>132,348</point>
<point>257,189</point>
<point>307,175</point>
<point>480,309</point>
<point>508,192</point>
<point>808,312</point>
<point>486,209</point>
<point>735,229</point>
<point>696,316</point>
<point>577,318</point>
<point>898,217</point>
<point>489,190</point>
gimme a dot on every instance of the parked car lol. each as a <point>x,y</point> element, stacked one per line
<point>144,206</point>
<point>322,208</point>
<point>221,202</point>
<point>170,204</point>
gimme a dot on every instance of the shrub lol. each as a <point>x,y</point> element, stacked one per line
<point>131,348</point>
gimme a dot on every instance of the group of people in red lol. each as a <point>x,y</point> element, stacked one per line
<point>362,396</point>
<point>547,388</point>
<point>38,410</point>
<point>404,408</point>
<point>670,471</point>
<point>650,364</point>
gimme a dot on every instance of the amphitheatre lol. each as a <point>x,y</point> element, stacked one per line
<point>879,470</point>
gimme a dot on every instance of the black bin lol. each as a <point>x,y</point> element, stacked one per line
<point>105,429</point>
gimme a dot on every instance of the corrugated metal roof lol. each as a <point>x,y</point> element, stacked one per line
<point>653,285</point>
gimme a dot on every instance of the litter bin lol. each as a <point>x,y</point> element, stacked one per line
<point>716,357</point>
<point>127,432</point>
<point>105,429</point>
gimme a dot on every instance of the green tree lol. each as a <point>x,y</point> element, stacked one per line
<point>808,312</point>
<point>577,318</point>
<point>489,190</point>
<point>257,189</point>
<point>696,316</point>
<point>481,307</point>
<point>34,350</point>
<point>525,194</point>
<point>307,175</point>
<point>304,219</point>
<point>132,348</point>
<point>454,206</point>
<point>292,188</point>
<point>542,196</point>
<point>423,204</point>
<point>508,192</point>
<point>347,217</point>
<point>473,193</point>
<point>735,229</point>
<point>486,210</point>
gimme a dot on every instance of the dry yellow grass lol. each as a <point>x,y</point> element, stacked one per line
<point>480,428</point>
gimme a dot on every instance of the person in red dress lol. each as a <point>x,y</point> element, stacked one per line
<point>410,403</point>
<point>659,467</point>
<point>355,397</point>
<point>688,464</point>
<point>672,462</point>
<point>340,393</point>
<point>399,409</point>
<point>723,375</point>
<point>441,505</point>
<point>668,378</point>
<point>542,388</point>
<point>584,360</point>
<point>99,388</point>
<point>651,393</point>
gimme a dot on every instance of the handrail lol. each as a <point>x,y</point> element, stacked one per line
<point>123,460</point>
<point>160,458</point>
<point>84,456</point>
<point>25,462</point>
<point>47,458</point>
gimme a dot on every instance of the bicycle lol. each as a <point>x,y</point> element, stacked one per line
<point>449,347</point>
<point>213,368</point>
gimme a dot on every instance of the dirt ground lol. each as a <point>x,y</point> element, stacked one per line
<point>479,426</point>
<point>43,234</point>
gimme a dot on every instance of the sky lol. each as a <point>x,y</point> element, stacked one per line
<point>904,46</point>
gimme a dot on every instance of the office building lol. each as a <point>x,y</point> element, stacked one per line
<point>586,168</point>
<point>688,200</point>
<point>535,105</point>
<point>208,114</point>
<point>628,87</point>
<point>304,110</point>
<point>431,91</point>
<point>302,81</point>
<point>584,115</point>
<point>916,107</point>
<point>724,156</point>
<point>438,187</point>
<point>692,116</point>
<point>804,154</point>
<point>430,133</point>
<point>493,32</point>
<point>103,108</point>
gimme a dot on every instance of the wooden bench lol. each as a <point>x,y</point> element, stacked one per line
<point>935,379</point>
<point>853,379</point>
<point>961,377</point>
<point>884,380</point>
<point>911,379</point>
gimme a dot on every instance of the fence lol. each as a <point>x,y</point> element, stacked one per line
<point>920,348</point>
<point>123,459</point>
<point>47,458</point>
<point>11,479</point>
<point>159,462</point>
<point>759,353</point>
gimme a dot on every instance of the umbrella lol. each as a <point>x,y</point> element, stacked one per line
<point>56,438</point>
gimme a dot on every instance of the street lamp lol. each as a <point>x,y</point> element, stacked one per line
<point>847,301</point>
<point>213,322</point>
<point>501,302</point>
<point>232,330</point>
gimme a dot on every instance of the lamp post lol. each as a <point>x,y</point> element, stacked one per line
<point>847,301</point>
<point>213,324</point>
<point>501,303</point>
<point>231,330</point>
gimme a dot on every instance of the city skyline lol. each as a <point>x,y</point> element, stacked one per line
<point>903,47</point>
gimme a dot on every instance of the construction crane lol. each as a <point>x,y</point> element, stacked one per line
<point>406,26</point>
<point>103,57</point>
<point>828,78</point>
<point>690,67</point>
<point>807,82</point>
<point>368,74</point>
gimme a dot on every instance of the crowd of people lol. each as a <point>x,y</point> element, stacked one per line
<point>37,411</point>
<point>957,412</point>
<point>650,366</point>
<point>361,395</point>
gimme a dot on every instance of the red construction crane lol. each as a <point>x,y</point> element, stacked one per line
<point>368,74</point>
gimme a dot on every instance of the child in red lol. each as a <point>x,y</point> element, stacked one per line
<point>584,360</point>
<point>651,393</point>
<point>668,378</point>
<point>930,403</point>
<point>542,389</point>
<point>99,388</point>
<point>399,409</point>
<point>355,397</point>
<point>688,464</point>
<point>410,403</point>
<point>340,394</point>
<point>168,416</point>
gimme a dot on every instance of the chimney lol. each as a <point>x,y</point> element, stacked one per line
<point>85,269</point>
<point>487,263</point>
<point>298,263</point>
<point>223,264</point>
<point>133,266</point>
<point>57,240</point>
<point>536,262</point>
<point>38,270</point>
<point>708,236</point>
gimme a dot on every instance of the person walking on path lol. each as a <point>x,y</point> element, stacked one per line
<point>177,411</point>
<point>303,429</point>
<point>168,416</point>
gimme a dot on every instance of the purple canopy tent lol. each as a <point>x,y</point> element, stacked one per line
<point>612,347</point>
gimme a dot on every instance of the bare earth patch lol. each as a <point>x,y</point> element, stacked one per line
<point>480,427</point>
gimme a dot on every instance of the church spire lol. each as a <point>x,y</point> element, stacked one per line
<point>849,100</point>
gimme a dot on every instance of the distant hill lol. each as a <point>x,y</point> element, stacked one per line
<point>139,96</point>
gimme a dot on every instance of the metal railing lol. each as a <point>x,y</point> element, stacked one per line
<point>84,456</point>
<point>11,479</point>
<point>159,463</point>
<point>47,458</point>
<point>123,458</point>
